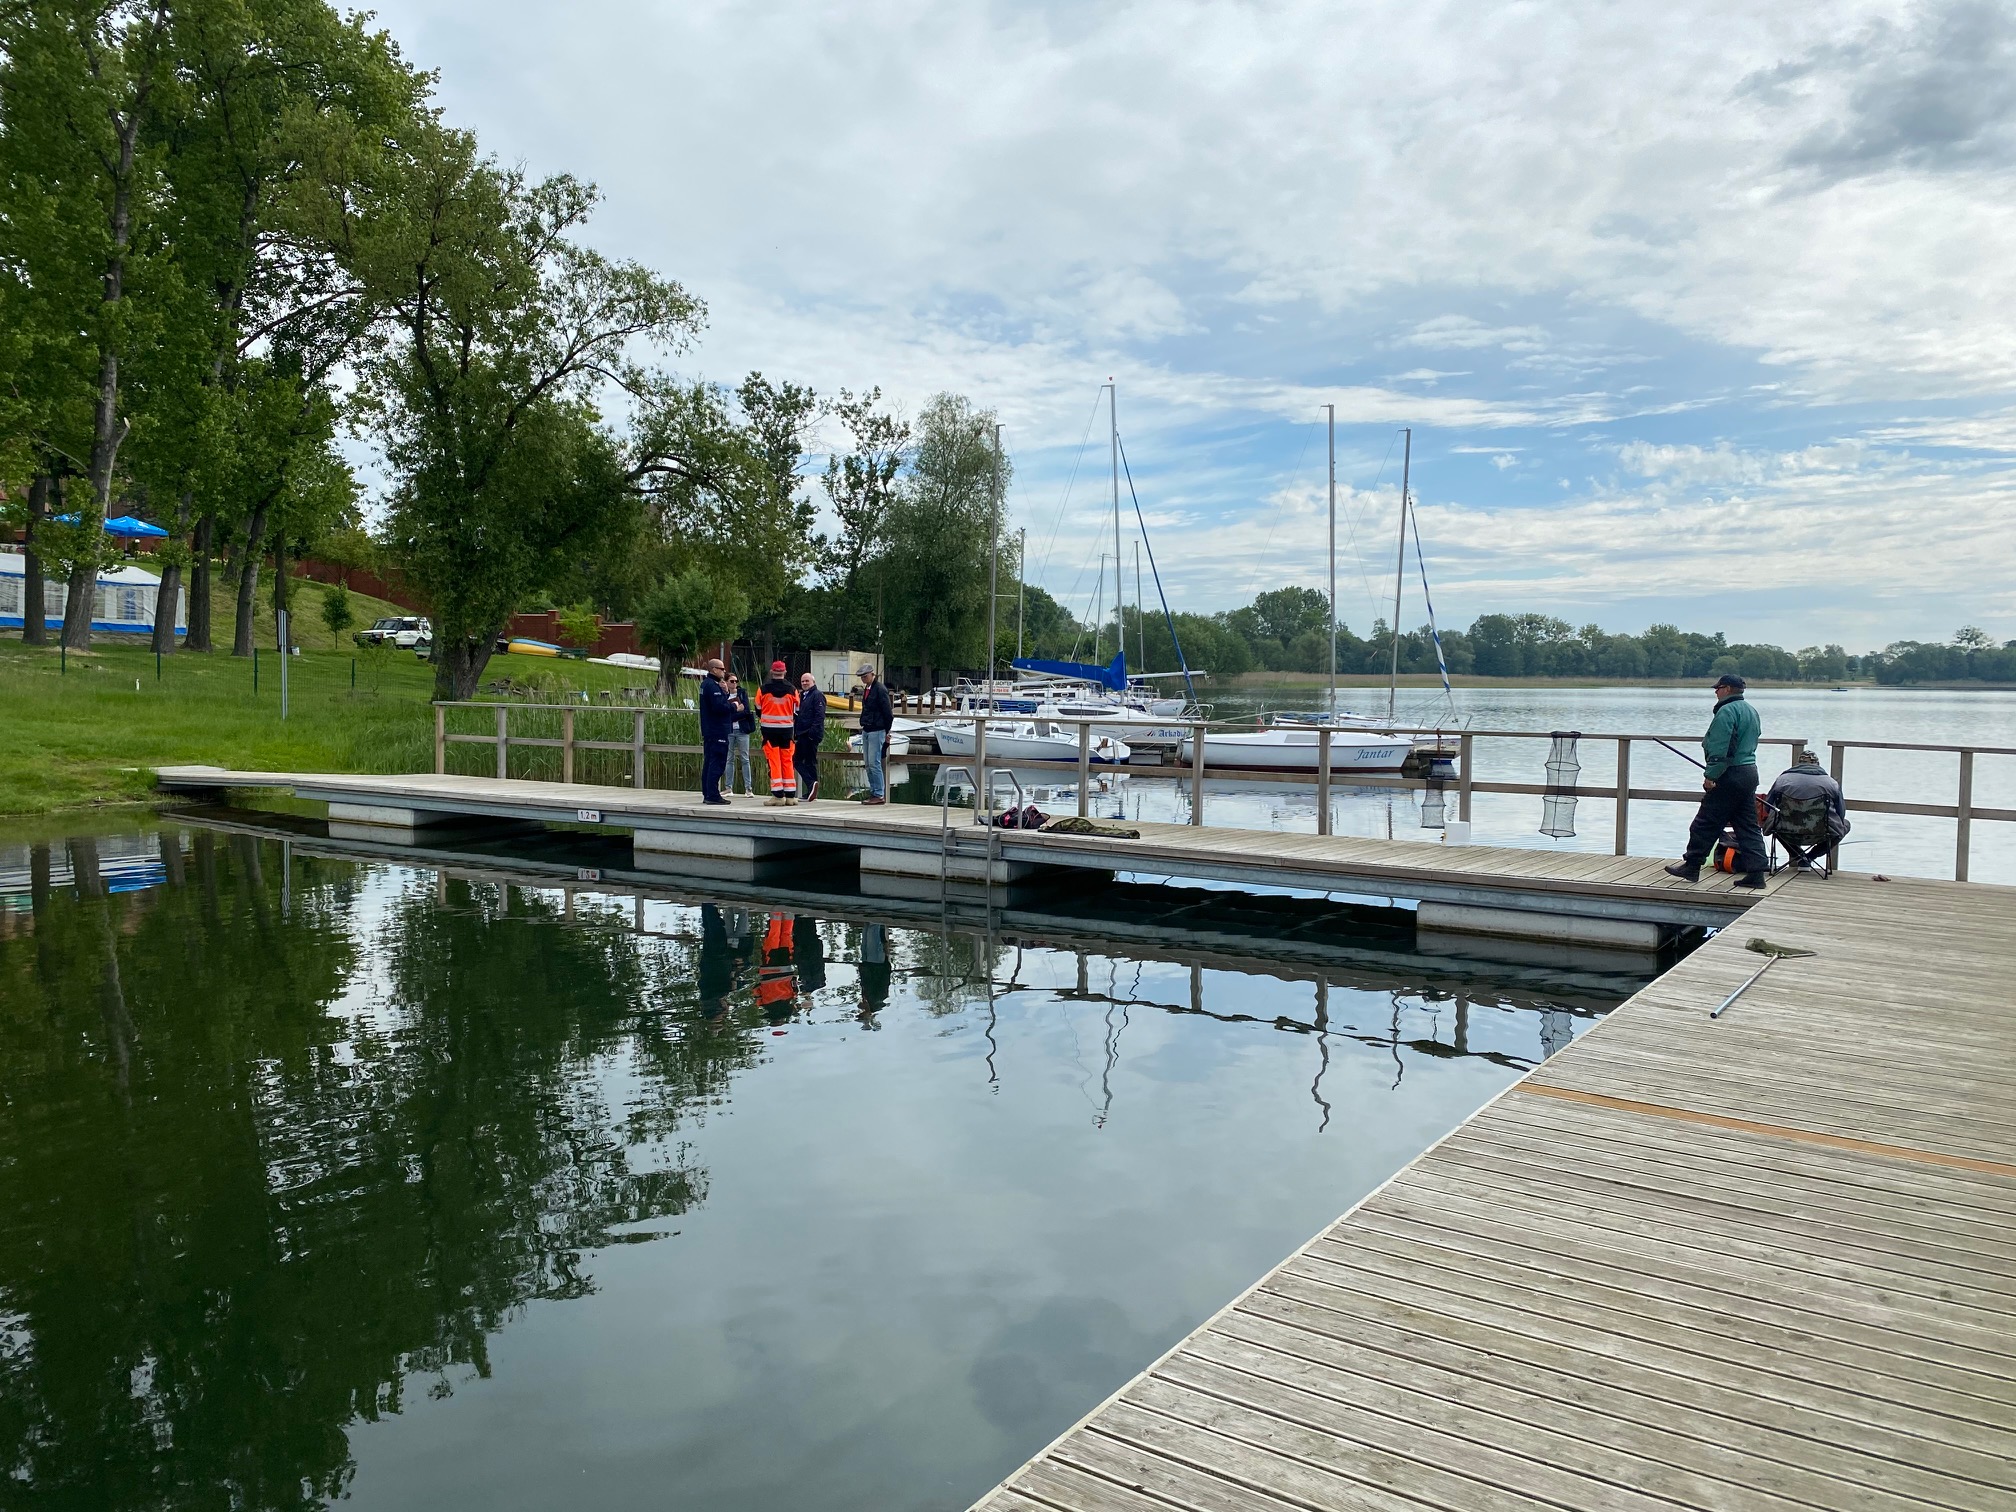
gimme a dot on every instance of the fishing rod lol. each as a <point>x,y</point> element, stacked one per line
<point>1680,753</point>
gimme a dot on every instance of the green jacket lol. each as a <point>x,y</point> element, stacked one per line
<point>1732,736</point>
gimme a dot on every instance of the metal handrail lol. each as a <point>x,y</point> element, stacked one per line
<point>1465,781</point>
<point>945,797</point>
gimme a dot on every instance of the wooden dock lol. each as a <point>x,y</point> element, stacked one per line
<point>1550,886</point>
<point>1762,1261</point>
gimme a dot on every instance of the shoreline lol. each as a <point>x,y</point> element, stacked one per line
<point>1428,680</point>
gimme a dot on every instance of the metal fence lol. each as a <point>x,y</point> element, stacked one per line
<point>580,742</point>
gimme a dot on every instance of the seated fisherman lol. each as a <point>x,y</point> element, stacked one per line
<point>1805,809</point>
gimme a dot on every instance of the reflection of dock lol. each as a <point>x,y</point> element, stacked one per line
<point>1306,940</point>
<point>1614,901</point>
<point>1685,1263</point>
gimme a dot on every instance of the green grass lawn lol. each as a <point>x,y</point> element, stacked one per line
<point>94,734</point>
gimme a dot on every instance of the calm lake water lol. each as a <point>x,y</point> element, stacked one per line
<point>451,1187</point>
<point>1880,842</point>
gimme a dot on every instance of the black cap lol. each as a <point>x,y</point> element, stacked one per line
<point>1730,680</point>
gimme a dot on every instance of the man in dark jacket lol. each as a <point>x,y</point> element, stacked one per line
<point>717,721</point>
<point>1729,788</point>
<point>810,728</point>
<point>878,717</point>
<point>1805,808</point>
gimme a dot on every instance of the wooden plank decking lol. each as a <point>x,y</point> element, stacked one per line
<point>1592,883</point>
<point>1765,1261</point>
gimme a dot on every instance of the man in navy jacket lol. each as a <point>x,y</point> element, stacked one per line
<point>810,728</point>
<point>717,720</point>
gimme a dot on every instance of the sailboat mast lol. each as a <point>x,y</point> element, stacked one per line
<point>1399,571</point>
<point>1021,584</point>
<point>993,563</point>
<point>1140,607</point>
<point>1330,411</point>
<point>1099,606</point>
<point>1113,413</point>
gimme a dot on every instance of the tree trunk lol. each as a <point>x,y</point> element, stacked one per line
<point>459,661</point>
<point>164,609</point>
<point>248,582</point>
<point>80,597</point>
<point>197,638</point>
<point>34,595</point>
<point>107,428</point>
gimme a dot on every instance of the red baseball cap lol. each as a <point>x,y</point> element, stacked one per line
<point>777,666</point>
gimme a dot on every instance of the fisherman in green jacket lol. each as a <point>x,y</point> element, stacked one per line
<point>1729,793</point>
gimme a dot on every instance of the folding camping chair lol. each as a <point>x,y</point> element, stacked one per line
<point>1801,826</point>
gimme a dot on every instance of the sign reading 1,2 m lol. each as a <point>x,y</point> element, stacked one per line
<point>588,816</point>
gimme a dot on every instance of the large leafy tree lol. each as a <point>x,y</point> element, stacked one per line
<point>278,124</point>
<point>503,328</point>
<point>860,485</point>
<point>80,82</point>
<point>939,526</point>
<point>686,612</point>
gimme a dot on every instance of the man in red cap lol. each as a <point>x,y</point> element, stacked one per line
<point>777,714</point>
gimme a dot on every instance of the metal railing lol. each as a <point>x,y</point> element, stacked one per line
<point>1962,810</point>
<point>567,742</point>
<point>980,770</point>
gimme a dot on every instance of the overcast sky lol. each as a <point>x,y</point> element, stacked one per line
<point>1699,311</point>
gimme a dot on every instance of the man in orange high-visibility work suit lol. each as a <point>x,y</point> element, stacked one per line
<point>777,975</point>
<point>777,714</point>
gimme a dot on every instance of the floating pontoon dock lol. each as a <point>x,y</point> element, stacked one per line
<point>1761,1261</point>
<point>1618,902</point>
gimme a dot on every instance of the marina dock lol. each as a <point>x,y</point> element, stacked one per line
<point>1568,897</point>
<point>1761,1261</point>
<point>1765,1260</point>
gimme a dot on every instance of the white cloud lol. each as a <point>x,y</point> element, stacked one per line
<point>1678,238</point>
<point>1462,333</point>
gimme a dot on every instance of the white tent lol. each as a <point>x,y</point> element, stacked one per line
<point>124,602</point>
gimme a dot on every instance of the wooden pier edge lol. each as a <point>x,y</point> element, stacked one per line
<point>1762,1261</point>
<point>985,1503</point>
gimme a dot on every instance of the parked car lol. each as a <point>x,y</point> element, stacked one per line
<point>401,630</point>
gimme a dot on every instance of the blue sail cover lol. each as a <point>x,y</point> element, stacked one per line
<point>1114,676</point>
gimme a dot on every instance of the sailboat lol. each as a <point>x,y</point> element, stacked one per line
<point>1072,689</point>
<point>1295,744</point>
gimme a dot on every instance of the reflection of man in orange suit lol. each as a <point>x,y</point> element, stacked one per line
<point>776,978</point>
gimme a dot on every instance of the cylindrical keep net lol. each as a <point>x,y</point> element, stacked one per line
<point>1564,768</point>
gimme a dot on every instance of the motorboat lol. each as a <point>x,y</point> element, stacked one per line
<point>1298,748</point>
<point>898,743</point>
<point>1027,740</point>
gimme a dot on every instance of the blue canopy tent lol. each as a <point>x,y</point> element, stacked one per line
<point>130,526</point>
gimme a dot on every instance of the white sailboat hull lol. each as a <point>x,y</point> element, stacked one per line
<point>1286,749</point>
<point>1027,742</point>
<point>898,744</point>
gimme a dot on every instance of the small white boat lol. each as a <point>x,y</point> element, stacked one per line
<point>1028,740</point>
<point>1296,748</point>
<point>634,662</point>
<point>898,744</point>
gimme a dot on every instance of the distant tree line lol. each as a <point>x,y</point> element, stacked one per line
<point>1286,630</point>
